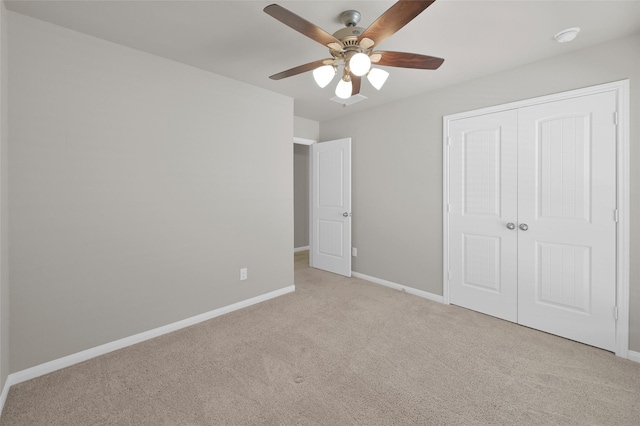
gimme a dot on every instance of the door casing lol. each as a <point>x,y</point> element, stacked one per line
<point>621,89</point>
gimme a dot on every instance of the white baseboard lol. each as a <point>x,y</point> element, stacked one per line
<point>3,396</point>
<point>57,364</point>
<point>297,249</point>
<point>410,290</point>
<point>633,356</point>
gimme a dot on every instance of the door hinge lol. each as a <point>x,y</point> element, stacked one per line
<point>448,140</point>
<point>615,118</point>
<point>448,275</point>
<point>448,208</point>
<point>616,216</point>
<point>615,313</point>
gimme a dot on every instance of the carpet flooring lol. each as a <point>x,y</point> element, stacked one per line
<point>340,351</point>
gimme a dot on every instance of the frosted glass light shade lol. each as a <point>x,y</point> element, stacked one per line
<point>324,74</point>
<point>343,89</point>
<point>377,77</point>
<point>359,64</point>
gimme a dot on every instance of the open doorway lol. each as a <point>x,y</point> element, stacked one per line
<point>301,197</point>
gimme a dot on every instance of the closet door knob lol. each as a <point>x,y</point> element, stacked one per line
<point>524,226</point>
<point>510,225</point>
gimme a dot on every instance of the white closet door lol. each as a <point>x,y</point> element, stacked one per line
<point>482,195</point>
<point>567,198</point>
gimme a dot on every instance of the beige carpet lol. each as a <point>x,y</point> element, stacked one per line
<point>340,351</point>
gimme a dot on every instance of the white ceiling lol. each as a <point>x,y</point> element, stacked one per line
<point>237,39</point>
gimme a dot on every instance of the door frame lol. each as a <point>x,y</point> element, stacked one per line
<point>621,89</point>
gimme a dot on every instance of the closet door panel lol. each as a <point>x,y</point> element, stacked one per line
<point>566,199</point>
<point>483,200</point>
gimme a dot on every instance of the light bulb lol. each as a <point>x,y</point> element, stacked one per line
<point>343,89</point>
<point>359,64</point>
<point>324,74</point>
<point>377,77</point>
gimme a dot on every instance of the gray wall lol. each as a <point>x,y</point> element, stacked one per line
<point>307,129</point>
<point>136,191</point>
<point>397,162</point>
<point>4,171</point>
<point>300,196</point>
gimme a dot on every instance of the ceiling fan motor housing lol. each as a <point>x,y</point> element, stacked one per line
<point>349,36</point>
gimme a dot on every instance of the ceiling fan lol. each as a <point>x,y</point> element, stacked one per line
<point>352,47</point>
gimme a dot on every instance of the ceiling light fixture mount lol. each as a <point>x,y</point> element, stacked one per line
<point>350,18</point>
<point>567,35</point>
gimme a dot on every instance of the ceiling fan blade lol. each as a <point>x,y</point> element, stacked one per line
<point>409,60</point>
<point>396,17</point>
<point>301,25</point>
<point>299,69</point>
<point>355,84</point>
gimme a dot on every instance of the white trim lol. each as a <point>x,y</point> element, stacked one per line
<point>5,392</point>
<point>633,356</point>
<point>310,201</point>
<point>57,364</point>
<point>303,141</point>
<point>592,90</point>
<point>445,210</point>
<point>410,290</point>
<point>297,249</point>
<point>623,176</point>
<point>622,91</point>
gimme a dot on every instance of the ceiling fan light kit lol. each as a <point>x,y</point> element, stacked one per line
<point>359,64</point>
<point>344,89</point>
<point>377,77</point>
<point>324,74</point>
<point>351,48</point>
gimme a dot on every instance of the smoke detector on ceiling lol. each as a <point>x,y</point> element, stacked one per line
<point>566,35</point>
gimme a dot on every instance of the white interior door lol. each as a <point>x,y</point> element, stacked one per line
<point>482,198</point>
<point>567,201</point>
<point>331,206</point>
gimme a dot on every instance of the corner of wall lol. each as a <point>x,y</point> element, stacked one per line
<point>4,272</point>
<point>305,128</point>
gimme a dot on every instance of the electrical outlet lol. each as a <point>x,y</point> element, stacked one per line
<point>243,274</point>
<point>354,252</point>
